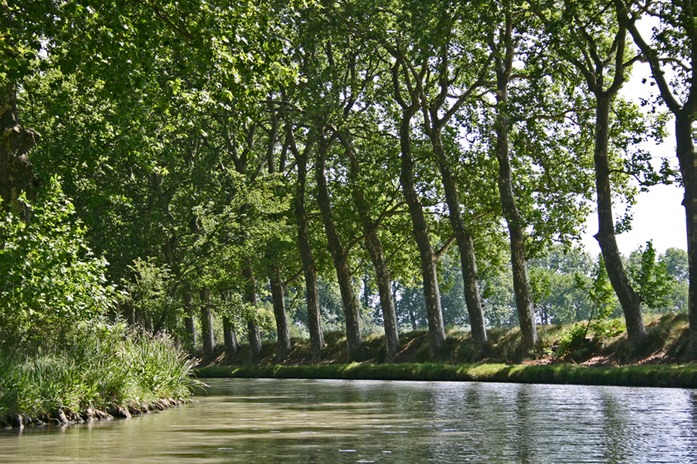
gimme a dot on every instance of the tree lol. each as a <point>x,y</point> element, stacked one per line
<point>672,56</point>
<point>314,320</point>
<point>676,265</point>
<point>375,250</point>
<point>21,30</point>
<point>650,277</point>
<point>597,49</point>
<point>450,82</point>
<point>560,279</point>
<point>503,46</point>
<point>408,73</point>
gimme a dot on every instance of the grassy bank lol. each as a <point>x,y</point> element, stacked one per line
<point>658,361</point>
<point>683,376</point>
<point>100,372</point>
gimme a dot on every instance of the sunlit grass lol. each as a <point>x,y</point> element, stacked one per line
<point>656,362</point>
<point>684,376</point>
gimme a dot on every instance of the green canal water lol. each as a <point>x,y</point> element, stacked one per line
<point>321,421</point>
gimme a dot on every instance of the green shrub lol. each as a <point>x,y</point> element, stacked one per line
<point>50,279</point>
<point>572,342</point>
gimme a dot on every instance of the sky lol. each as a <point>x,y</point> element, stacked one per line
<point>658,214</point>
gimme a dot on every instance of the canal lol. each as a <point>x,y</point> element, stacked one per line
<point>328,421</point>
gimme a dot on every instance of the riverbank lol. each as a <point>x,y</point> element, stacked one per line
<point>678,376</point>
<point>100,372</point>
<point>658,362</point>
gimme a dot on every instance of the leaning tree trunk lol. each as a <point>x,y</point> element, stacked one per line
<point>16,173</point>
<point>340,258</point>
<point>279,310</point>
<point>429,274</point>
<point>629,299</point>
<point>465,245</point>
<point>207,324</point>
<point>314,320</point>
<point>374,246</point>
<point>514,220</point>
<point>253,334</point>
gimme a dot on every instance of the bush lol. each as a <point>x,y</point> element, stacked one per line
<point>50,279</point>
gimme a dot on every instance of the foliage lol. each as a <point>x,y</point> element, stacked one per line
<point>601,324</point>
<point>51,281</point>
<point>147,291</point>
<point>174,125</point>
<point>650,277</point>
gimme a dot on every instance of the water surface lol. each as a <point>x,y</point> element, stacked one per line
<point>318,421</point>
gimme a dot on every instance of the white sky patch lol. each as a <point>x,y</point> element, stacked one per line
<point>658,214</point>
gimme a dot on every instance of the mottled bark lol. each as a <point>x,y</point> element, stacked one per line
<point>279,311</point>
<point>374,246</point>
<point>253,335</point>
<point>314,320</point>
<point>207,324</point>
<point>684,135</point>
<point>340,258</point>
<point>629,299</point>
<point>427,257</point>
<point>465,244</point>
<point>514,220</point>
<point>685,113</point>
<point>16,173</point>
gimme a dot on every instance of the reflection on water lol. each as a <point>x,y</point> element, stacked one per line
<point>397,422</point>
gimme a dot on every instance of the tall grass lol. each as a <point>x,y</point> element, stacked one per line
<point>100,367</point>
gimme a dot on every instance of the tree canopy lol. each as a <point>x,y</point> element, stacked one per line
<point>247,159</point>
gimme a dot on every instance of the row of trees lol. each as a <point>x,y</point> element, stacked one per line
<point>567,286</point>
<point>226,149</point>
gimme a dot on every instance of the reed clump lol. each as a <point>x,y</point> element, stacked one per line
<point>99,371</point>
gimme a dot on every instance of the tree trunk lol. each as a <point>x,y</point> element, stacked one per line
<point>16,173</point>
<point>514,220</point>
<point>685,114</point>
<point>629,299</point>
<point>688,168</point>
<point>465,245</point>
<point>207,324</point>
<point>382,272</point>
<point>190,327</point>
<point>253,334</point>
<point>340,258</point>
<point>314,320</point>
<point>230,338</point>
<point>384,279</point>
<point>279,311</point>
<point>277,290</point>
<point>412,319</point>
<point>429,274</point>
